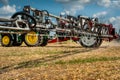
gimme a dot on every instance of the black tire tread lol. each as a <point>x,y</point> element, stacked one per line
<point>10,43</point>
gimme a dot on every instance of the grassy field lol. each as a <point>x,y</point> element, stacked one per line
<point>60,61</point>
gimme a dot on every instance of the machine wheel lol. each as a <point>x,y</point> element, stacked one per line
<point>88,41</point>
<point>98,43</point>
<point>31,39</point>
<point>43,41</point>
<point>15,42</point>
<point>6,40</point>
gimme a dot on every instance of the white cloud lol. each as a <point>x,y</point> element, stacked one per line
<point>116,22</point>
<point>105,3</point>
<point>7,9</point>
<point>100,14</point>
<point>115,3</point>
<point>75,8</point>
<point>83,1</point>
<point>63,1</point>
<point>109,3</point>
<point>76,5</point>
<point>73,5</point>
<point>112,19</point>
<point>68,1</point>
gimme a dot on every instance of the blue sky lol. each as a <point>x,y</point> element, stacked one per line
<point>105,10</point>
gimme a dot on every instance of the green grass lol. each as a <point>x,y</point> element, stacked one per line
<point>88,60</point>
<point>31,64</point>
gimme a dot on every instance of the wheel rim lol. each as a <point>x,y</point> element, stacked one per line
<point>6,40</point>
<point>88,40</point>
<point>31,38</point>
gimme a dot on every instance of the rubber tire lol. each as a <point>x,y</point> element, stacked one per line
<point>44,41</point>
<point>96,45</point>
<point>10,42</point>
<point>15,43</point>
<point>86,46</point>
<point>99,42</point>
<point>30,45</point>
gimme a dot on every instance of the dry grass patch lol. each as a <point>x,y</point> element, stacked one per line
<point>65,61</point>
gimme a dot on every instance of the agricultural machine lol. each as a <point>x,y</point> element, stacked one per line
<point>35,28</point>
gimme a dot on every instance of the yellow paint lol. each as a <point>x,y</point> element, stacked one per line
<point>31,38</point>
<point>5,40</point>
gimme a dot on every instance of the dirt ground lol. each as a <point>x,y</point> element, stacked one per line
<point>60,61</point>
